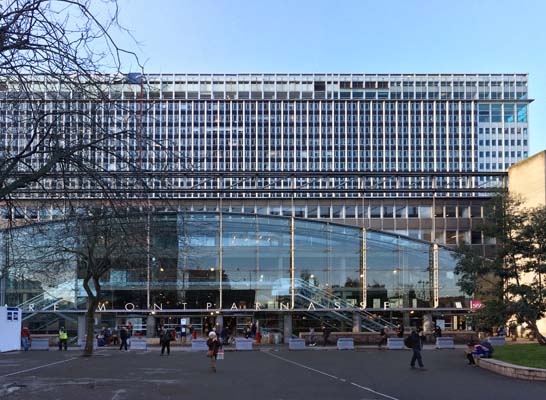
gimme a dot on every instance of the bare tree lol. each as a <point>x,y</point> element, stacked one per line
<point>62,138</point>
<point>104,240</point>
<point>52,54</point>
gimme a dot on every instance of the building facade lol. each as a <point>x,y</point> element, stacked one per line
<point>413,155</point>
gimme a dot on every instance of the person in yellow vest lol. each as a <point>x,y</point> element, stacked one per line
<point>63,338</point>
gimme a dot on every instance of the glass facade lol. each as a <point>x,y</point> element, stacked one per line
<point>235,262</point>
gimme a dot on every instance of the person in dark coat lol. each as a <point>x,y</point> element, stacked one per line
<point>416,346</point>
<point>214,345</point>
<point>165,338</point>
<point>325,334</point>
<point>123,335</point>
<point>383,335</point>
<point>437,331</point>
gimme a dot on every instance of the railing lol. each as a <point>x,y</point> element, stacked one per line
<point>325,299</point>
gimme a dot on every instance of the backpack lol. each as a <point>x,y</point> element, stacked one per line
<point>408,342</point>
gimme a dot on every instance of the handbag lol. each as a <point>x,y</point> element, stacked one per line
<point>210,353</point>
<point>220,355</point>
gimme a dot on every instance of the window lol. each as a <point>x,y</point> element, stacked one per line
<point>509,112</point>
<point>483,112</point>
<point>320,86</point>
<point>424,212</point>
<point>375,211</point>
<point>388,212</point>
<point>496,113</point>
<point>522,112</point>
<point>451,211</point>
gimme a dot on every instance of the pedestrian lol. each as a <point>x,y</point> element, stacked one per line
<point>165,340</point>
<point>437,331</point>
<point>513,330</point>
<point>123,335</point>
<point>400,331</point>
<point>115,337</point>
<point>312,339</point>
<point>192,331</point>
<point>25,338</point>
<point>501,330</point>
<point>383,335</point>
<point>325,334</point>
<point>482,350</point>
<point>247,331</point>
<point>63,339</point>
<point>416,346</point>
<point>214,345</point>
<point>224,335</point>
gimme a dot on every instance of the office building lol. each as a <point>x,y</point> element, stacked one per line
<point>408,158</point>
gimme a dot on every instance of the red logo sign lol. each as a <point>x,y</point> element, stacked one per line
<point>475,304</point>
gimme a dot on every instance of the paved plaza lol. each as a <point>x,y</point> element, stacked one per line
<point>270,373</point>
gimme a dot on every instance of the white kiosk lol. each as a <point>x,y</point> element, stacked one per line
<point>10,328</point>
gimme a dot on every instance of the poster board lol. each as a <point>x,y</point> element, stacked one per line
<point>10,328</point>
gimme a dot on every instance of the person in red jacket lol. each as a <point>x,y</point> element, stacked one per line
<point>25,338</point>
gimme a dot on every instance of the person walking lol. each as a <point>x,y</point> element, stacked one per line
<point>325,334</point>
<point>63,339</point>
<point>312,339</point>
<point>437,331</point>
<point>25,338</point>
<point>214,345</point>
<point>123,335</point>
<point>383,335</point>
<point>400,331</point>
<point>513,331</point>
<point>416,346</point>
<point>165,341</point>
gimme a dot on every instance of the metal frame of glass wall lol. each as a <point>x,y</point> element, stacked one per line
<point>207,261</point>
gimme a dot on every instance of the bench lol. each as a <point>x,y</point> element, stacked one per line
<point>40,344</point>
<point>445,343</point>
<point>199,345</point>
<point>138,344</point>
<point>345,344</point>
<point>395,344</point>
<point>95,344</point>
<point>296,344</point>
<point>497,340</point>
<point>243,344</point>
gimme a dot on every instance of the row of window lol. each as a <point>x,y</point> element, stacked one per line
<point>398,210</point>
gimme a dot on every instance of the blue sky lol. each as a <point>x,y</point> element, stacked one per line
<point>398,36</point>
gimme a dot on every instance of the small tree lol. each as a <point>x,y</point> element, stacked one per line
<point>102,240</point>
<point>526,286</point>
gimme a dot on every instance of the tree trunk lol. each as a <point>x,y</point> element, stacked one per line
<point>540,339</point>
<point>90,326</point>
<point>93,299</point>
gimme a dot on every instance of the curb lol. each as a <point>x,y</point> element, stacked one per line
<point>512,370</point>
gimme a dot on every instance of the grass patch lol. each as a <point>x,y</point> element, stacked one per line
<point>528,355</point>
